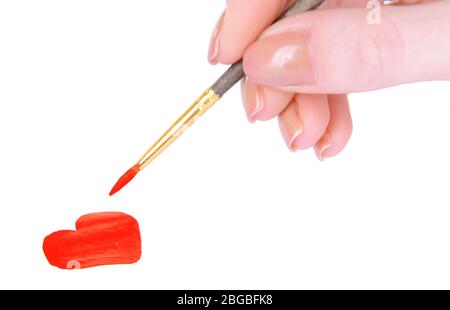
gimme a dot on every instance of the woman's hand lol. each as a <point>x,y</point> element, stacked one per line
<point>301,68</point>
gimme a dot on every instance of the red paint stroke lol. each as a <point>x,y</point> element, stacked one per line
<point>125,179</point>
<point>105,238</point>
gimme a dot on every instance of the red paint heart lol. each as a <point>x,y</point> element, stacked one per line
<point>104,238</point>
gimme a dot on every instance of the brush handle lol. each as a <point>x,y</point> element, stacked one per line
<point>236,71</point>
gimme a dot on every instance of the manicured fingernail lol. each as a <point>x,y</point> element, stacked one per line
<point>281,60</point>
<point>321,146</point>
<point>291,142</point>
<point>291,128</point>
<point>288,4</point>
<point>258,106</point>
<point>253,97</point>
<point>214,44</point>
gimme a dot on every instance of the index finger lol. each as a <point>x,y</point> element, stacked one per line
<point>240,25</point>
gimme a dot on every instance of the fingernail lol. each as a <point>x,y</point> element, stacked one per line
<point>214,44</point>
<point>288,4</point>
<point>321,146</point>
<point>258,106</point>
<point>281,60</point>
<point>253,97</point>
<point>291,128</point>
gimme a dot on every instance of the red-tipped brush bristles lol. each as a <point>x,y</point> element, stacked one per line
<point>125,179</point>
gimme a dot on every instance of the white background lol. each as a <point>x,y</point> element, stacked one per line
<point>85,88</point>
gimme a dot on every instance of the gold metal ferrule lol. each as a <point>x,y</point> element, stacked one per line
<point>197,109</point>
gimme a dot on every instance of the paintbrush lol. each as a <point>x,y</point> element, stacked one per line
<point>234,73</point>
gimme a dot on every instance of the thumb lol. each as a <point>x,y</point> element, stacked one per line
<point>342,50</point>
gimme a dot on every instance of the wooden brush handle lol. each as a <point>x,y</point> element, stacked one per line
<point>236,72</point>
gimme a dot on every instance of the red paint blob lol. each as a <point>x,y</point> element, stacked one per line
<point>125,179</point>
<point>105,238</point>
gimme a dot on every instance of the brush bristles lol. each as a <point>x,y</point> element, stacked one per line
<point>125,179</point>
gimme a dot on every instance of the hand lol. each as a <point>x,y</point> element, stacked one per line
<point>301,68</point>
